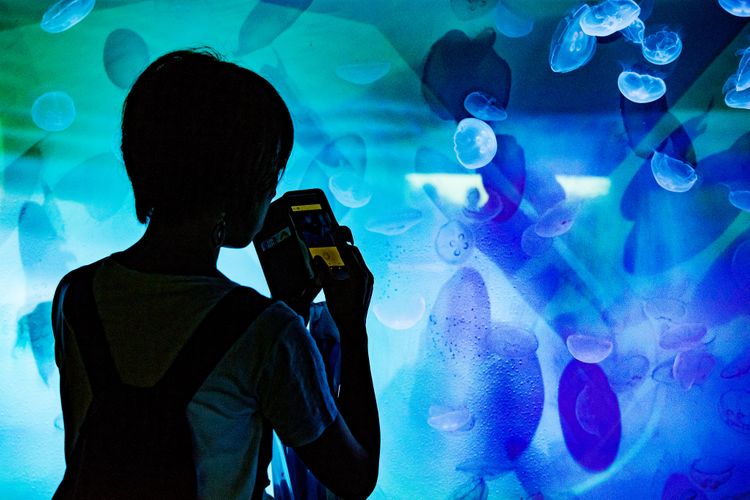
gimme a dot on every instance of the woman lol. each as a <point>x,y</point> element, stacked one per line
<point>204,144</point>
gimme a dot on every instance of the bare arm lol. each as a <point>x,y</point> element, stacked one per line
<point>346,456</point>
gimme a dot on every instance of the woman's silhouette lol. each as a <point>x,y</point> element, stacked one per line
<point>204,143</point>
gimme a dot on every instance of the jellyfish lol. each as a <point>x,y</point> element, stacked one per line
<point>626,373</point>
<point>266,21</point>
<point>672,174</point>
<point>400,313</point>
<point>663,47</point>
<point>485,107</point>
<point>473,212</point>
<point>740,199</point>
<point>533,244</point>
<point>454,242</point>
<point>65,14</point>
<point>739,99</point>
<point>511,341</point>
<point>445,419</point>
<point>738,367</point>
<point>100,171</point>
<point>634,32</point>
<point>558,220</point>
<point>739,8</point>
<point>711,472</point>
<point>589,349</point>
<point>640,88</point>
<point>475,489</point>
<point>664,308</point>
<point>743,71</point>
<point>740,265</point>
<point>692,367</point>
<point>53,111</point>
<point>679,487</point>
<point>363,73</point>
<point>394,223</point>
<point>511,24</point>
<point>350,189</point>
<point>589,416</point>
<point>571,48</point>
<point>734,408</point>
<point>663,373</point>
<point>609,17</point>
<point>474,142</point>
<point>682,337</point>
<point>35,329</point>
<point>125,56</point>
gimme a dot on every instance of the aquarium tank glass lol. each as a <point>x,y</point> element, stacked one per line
<point>553,197</point>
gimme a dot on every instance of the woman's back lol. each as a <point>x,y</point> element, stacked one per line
<point>147,319</point>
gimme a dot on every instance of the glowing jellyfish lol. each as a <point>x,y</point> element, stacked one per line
<point>738,367</point>
<point>682,337</point>
<point>711,472</point>
<point>65,14</point>
<point>739,8</point>
<point>474,212</point>
<point>608,17</point>
<point>589,349</point>
<point>740,199</point>
<point>739,99</point>
<point>511,24</point>
<point>692,367</point>
<point>485,107</point>
<point>395,223</point>
<point>589,415</point>
<point>350,189</point>
<point>364,73</point>
<point>635,32</point>
<point>53,111</point>
<point>511,341</point>
<point>663,373</point>
<point>446,419</point>
<point>474,142</point>
<point>125,56</point>
<point>400,313</point>
<point>743,71</point>
<point>454,242</point>
<point>663,47</point>
<point>558,220</point>
<point>626,373</point>
<point>571,48</point>
<point>734,408</point>
<point>664,309</point>
<point>740,265</point>
<point>672,174</point>
<point>640,88</point>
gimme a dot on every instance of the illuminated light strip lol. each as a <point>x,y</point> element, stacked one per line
<point>584,186</point>
<point>451,187</point>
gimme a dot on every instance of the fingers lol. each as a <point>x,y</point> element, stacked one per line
<point>342,234</point>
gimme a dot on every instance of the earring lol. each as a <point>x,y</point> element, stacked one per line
<point>219,232</point>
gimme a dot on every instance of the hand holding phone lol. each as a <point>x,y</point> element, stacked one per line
<point>348,298</point>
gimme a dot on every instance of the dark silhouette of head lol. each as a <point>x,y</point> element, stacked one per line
<point>201,135</point>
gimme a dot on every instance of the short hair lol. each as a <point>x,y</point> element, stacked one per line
<point>199,132</point>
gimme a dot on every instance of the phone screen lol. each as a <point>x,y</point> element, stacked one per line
<point>314,226</point>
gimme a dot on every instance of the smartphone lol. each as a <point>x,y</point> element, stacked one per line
<point>298,227</point>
